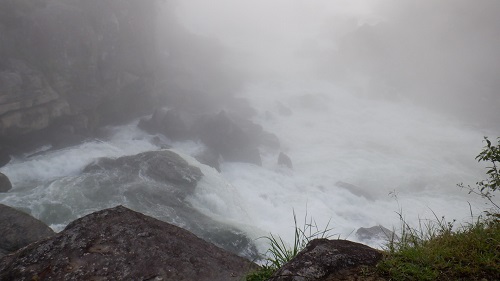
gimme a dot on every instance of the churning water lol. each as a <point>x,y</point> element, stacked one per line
<point>356,162</point>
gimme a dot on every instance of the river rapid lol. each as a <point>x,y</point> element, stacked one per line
<point>357,162</point>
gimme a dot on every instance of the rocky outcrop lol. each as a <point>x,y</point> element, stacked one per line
<point>5,184</point>
<point>323,259</point>
<point>18,229</point>
<point>228,135</point>
<point>173,123</point>
<point>120,244</point>
<point>234,142</point>
<point>74,63</point>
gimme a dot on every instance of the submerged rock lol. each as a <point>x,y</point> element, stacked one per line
<point>120,244</point>
<point>5,184</point>
<point>18,229</point>
<point>323,259</point>
<point>162,165</point>
<point>377,232</point>
<point>356,190</point>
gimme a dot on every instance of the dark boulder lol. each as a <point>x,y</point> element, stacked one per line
<point>323,259</point>
<point>176,125</point>
<point>162,165</point>
<point>18,229</point>
<point>284,160</point>
<point>234,142</point>
<point>173,123</point>
<point>120,244</point>
<point>5,184</point>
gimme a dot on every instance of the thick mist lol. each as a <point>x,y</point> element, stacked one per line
<point>391,97</point>
<point>441,55</point>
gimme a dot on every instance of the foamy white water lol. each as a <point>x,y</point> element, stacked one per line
<point>380,147</point>
<point>398,155</point>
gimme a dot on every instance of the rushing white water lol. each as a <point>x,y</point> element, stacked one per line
<point>378,147</point>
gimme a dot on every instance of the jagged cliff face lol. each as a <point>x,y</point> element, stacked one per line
<point>74,62</point>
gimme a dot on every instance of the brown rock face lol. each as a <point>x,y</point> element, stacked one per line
<point>120,244</point>
<point>323,259</point>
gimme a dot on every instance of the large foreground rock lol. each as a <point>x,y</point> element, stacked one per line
<point>120,244</point>
<point>18,229</point>
<point>324,259</point>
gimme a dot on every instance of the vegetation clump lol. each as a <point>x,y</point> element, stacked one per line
<point>279,253</point>
<point>437,251</point>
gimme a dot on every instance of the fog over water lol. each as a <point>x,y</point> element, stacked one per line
<point>385,95</point>
<point>381,105</point>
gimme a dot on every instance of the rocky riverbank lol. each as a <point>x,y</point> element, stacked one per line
<point>120,244</point>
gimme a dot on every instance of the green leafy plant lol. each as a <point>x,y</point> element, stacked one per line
<point>487,187</point>
<point>279,252</point>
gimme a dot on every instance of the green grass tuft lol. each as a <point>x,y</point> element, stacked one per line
<point>279,252</point>
<point>434,251</point>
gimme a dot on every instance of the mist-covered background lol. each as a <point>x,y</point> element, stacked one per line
<point>442,55</point>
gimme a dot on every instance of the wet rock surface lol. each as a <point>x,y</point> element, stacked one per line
<point>226,134</point>
<point>323,259</point>
<point>158,183</point>
<point>162,165</point>
<point>234,142</point>
<point>5,184</point>
<point>378,232</point>
<point>120,244</point>
<point>18,229</point>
